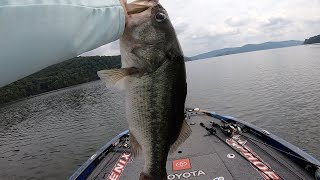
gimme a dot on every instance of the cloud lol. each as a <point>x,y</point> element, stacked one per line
<point>237,21</point>
<point>211,24</point>
<point>276,22</point>
<point>180,24</point>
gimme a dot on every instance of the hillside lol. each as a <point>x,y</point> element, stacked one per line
<point>68,73</point>
<point>312,40</point>
<point>247,48</point>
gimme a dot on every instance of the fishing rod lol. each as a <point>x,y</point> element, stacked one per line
<point>212,131</point>
<point>231,129</point>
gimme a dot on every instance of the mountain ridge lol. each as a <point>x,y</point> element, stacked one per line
<point>312,40</point>
<point>247,48</point>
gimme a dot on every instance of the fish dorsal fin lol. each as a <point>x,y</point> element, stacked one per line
<point>183,136</point>
<point>114,75</point>
<point>135,146</point>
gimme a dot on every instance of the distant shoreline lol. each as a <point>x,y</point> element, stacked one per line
<point>248,52</point>
<point>247,48</point>
<point>312,44</point>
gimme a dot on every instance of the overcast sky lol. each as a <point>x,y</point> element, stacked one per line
<point>205,25</point>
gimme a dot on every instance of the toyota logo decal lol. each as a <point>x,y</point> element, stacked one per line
<point>181,164</point>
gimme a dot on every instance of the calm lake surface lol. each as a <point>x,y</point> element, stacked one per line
<point>50,136</point>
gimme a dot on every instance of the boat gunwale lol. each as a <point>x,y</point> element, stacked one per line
<point>87,167</point>
<point>295,154</point>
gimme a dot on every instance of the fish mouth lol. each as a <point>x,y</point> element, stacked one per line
<point>139,6</point>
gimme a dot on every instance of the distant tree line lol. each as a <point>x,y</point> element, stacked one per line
<point>312,40</point>
<point>68,73</point>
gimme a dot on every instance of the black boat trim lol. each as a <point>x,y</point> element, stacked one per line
<point>84,171</point>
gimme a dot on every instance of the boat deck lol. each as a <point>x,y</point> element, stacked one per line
<point>206,156</point>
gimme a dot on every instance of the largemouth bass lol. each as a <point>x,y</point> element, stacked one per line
<point>154,77</point>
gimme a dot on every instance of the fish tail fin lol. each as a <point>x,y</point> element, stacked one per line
<point>145,176</point>
<point>183,136</point>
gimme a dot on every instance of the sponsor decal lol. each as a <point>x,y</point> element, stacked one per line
<point>219,178</point>
<point>181,164</point>
<point>93,156</point>
<point>264,169</point>
<point>119,167</point>
<point>186,175</point>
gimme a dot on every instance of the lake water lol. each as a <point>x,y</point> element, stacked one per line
<point>50,136</point>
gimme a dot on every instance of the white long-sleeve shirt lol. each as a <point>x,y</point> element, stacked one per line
<point>35,34</point>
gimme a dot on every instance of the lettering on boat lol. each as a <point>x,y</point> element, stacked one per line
<point>181,164</point>
<point>263,168</point>
<point>119,167</point>
<point>186,175</point>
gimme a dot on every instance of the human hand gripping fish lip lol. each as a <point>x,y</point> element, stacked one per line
<point>139,6</point>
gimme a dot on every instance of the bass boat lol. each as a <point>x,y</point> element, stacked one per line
<point>220,148</point>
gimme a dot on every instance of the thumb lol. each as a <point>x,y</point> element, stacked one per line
<point>124,6</point>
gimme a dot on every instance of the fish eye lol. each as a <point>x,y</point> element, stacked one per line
<point>160,17</point>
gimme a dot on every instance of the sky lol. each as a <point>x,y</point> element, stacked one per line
<point>205,25</point>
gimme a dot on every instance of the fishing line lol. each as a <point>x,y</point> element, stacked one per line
<point>275,159</point>
<point>197,110</point>
<point>288,153</point>
<point>221,139</point>
<point>208,114</point>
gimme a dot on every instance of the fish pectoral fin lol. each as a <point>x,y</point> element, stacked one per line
<point>135,146</point>
<point>115,75</point>
<point>183,136</point>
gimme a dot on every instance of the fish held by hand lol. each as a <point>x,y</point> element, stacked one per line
<point>154,78</point>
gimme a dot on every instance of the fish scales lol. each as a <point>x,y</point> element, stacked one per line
<point>153,75</point>
<point>149,112</point>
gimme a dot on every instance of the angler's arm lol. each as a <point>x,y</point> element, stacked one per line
<point>37,33</point>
